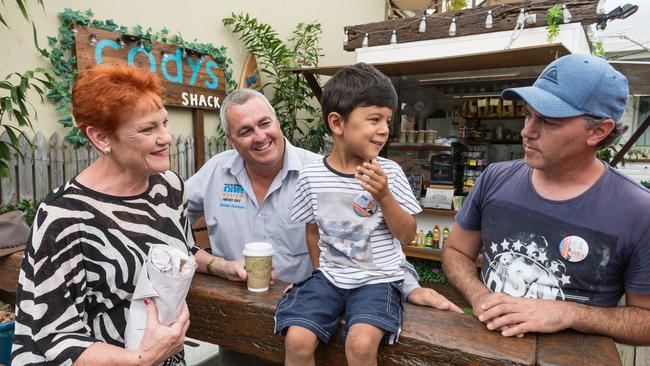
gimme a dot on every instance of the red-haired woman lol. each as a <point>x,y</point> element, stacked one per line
<point>92,235</point>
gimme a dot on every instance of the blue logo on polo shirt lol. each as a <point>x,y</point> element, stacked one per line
<point>233,196</point>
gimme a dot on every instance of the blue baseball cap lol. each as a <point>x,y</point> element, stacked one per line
<point>576,85</point>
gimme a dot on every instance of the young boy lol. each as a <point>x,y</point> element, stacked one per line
<point>358,208</point>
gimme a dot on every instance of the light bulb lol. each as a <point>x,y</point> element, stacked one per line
<point>139,44</point>
<point>165,55</point>
<point>184,53</point>
<point>393,38</point>
<point>488,20</point>
<point>120,42</point>
<point>600,8</point>
<point>74,32</point>
<point>521,17</point>
<point>591,32</point>
<point>345,39</point>
<point>452,27</point>
<point>92,40</point>
<point>364,43</point>
<point>566,14</point>
<point>423,25</point>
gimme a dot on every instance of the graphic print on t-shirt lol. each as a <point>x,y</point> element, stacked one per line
<point>531,255</point>
<point>347,237</point>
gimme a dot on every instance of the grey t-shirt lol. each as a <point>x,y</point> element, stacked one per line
<point>589,249</point>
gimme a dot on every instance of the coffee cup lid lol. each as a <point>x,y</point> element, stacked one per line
<point>258,249</point>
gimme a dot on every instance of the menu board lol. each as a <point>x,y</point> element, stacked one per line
<point>442,168</point>
<point>415,180</point>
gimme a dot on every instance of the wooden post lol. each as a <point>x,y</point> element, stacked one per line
<point>25,169</point>
<point>56,162</point>
<point>199,134</point>
<point>41,163</point>
<point>628,145</point>
<point>313,84</point>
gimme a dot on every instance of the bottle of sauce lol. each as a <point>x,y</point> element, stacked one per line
<point>436,236</point>
<point>428,240</point>
<point>445,236</point>
<point>419,238</point>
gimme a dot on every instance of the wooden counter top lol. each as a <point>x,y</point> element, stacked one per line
<point>226,313</point>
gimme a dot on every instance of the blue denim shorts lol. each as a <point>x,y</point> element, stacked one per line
<point>316,304</point>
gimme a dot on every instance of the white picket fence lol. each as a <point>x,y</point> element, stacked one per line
<point>48,163</point>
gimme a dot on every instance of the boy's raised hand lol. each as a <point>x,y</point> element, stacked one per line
<point>373,179</point>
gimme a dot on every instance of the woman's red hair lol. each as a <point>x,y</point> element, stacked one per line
<point>106,96</point>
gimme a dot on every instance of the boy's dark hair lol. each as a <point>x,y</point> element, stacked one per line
<point>359,85</point>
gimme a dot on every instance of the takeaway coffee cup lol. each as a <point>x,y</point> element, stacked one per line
<point>258,257</point>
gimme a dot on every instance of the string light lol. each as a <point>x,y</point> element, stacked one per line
<point>591,32</point>
<point>74,32</point>
<point>488,20</point>
<point>139,44</point>
<point>521,17</point>
<point>184,53</point>
<point>452,27</point>
<point>600,8</point>
<point>165,55</point>
<point>566,14</point>
<point>423,25</point>
<point>92,40</point>
<point>120,42</point>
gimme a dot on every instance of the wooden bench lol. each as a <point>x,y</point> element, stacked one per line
<point>226,313</point>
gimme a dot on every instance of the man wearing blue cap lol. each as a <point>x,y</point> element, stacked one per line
<point>559,224</point>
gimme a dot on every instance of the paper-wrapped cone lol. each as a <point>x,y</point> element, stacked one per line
<point>165,278</point>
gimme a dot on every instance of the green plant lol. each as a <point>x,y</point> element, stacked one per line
<point>23,9</point>
<point>598,49</point>
<point>25,206</point>
<point>456,4</point>
<point>429,271</point>
<point>645,183</point>
<point>14,106</point>
<point>64,64</point>
<point>14,97</point>
<point>300,121</point>
<point>554,17</point>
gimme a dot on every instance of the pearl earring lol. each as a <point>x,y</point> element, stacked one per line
<point>107,150</point>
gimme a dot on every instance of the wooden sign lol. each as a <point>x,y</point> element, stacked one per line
<point>190,81</point>
<point>250,76</point>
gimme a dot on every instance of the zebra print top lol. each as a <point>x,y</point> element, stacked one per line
<point>82,262</point>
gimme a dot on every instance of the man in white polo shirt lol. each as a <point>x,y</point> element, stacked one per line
<point>246,194</point>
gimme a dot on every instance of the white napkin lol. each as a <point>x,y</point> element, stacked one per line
<point>164,278</point>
